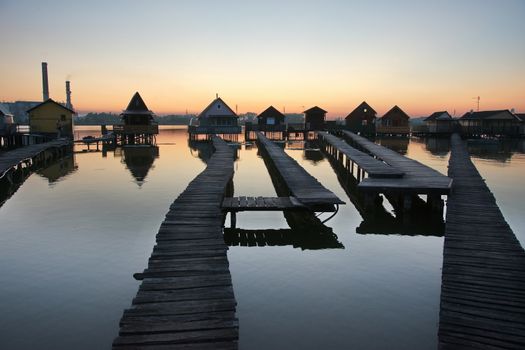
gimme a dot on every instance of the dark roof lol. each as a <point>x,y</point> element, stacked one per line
<point>4,110</point>
<point>49,100</point>
<point>485,114</point>
<point>218,99</point>
<point>137,106</point>
<point>393,110</point>
<point>315,110</point>
<point>360,108</point>
<point>438,116</point>
<point>521,116</point>
<point>271,112</point>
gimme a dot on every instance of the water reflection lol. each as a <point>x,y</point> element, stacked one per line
<point>398,144</point>
<point>139,160</point>
<point>59,169</point>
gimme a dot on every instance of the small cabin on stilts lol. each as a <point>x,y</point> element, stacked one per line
<point>217,118</point>
<point>138,125</point>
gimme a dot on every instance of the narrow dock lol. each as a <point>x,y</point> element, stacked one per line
<point>417,179</point>
<point>186,299</point>
<point>372,166</point>
<point>301,185</point>
<point>483,281</point>
<point>27,155</point>
<point>236,204</point>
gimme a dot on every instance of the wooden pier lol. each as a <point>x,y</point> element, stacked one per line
<point>417,179</point>
<point>186,299</point>
<point>301,185</point>
<point>483,281</point>
<point>236,204</point>
<point>31,155</point>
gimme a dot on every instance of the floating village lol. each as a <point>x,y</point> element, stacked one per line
<point>186,298</point>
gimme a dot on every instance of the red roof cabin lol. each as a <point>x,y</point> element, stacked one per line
<point>394,122</point>
<point>314,119</point>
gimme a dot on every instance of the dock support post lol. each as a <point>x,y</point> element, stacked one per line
<point>436,204</point>
<point>233,219</point>
<point>407,202</point>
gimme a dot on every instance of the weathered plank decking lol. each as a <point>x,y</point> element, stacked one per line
<point>11,159</point>
<point>299,182</point>
<point>417,179</point>
<point>483,281</point>
<point>260,203</point>
<point>186,298</point>
<point>372,166</point>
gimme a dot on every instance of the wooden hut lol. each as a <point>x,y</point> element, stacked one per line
<point>494,123</point>
<point>270,119</point>
<point>439,123</point>
<point>521,117</point>
<point>51,119</point>
<point>362,120</point>
<point>138,125</point>
<point>217,118</point>
<point>314,119</point>
<point>394,122</point>
<point>7,125</point>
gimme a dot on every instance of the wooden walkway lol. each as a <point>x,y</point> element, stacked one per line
<point>483,282</point>
<point>417,178</point>
<point>299,182</point>
<point>372,166</point>
<point>186,299</point>
<point>11,159</point>
<point>236,204</point>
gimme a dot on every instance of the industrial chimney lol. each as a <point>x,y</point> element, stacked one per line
<point>68,95</point>
<point>45,85</point>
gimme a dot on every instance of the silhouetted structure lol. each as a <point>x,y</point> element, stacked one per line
<point>362,120</point>
<point>439,123</point>
<point>521,117</point>
<point>217,118</point>
<point>7,126</point>
<point>493,123</point>
<point>394,122</point>
<point>271,122</point>
<point>314,119</point>
<point>138,125</point>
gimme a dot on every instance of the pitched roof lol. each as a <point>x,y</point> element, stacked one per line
<point>485,114</point>
<point>443,115</point>
<point>363,107</point>
<point>271,112</point>
<point>521,116</point>
<point>315,110</point>
<point>218,99</point>
<point>137,106</point>
<point>4,110</point>
<point>49,100</point>
<point>393,110</point>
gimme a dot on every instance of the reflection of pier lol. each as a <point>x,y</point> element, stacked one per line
<point>483,282</point>
<point>186,296</point>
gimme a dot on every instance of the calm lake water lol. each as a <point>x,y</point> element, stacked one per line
<point>73,234</point>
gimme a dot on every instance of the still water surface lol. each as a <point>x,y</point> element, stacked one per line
<point>73,234</point>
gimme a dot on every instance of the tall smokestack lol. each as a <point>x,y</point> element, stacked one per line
<point>68,95</point>
<point>45,85</point>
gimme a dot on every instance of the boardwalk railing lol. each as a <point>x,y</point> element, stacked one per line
<point>186,297</point>
<point>483,281</point>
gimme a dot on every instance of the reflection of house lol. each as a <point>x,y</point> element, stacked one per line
<point>501,122</point>
<point>394,122</point>
<point>50,118</point>
<point>362,120</point>
<point>139,160</point>
<point>137,122</point>
<point>439,146</point>
<point>59,169</point>
<point>217,118</point>
<point>398,144</point>
<point>314,118</point>
<point>439,123</point>
<point>271,120</point>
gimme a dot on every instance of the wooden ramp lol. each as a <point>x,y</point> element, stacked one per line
<point>186,299</point>
<point>483,287</point>
<point>372,166</point>
<point>417,178</point>
<point>260,204</point>
<point>300,184</point>
<point>11,159</point>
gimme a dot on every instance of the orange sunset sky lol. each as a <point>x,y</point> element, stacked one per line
<point>421,55</point>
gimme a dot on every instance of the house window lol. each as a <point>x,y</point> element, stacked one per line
<point>365,110</point>
<point>218,106</point>
<point>364,122</point>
